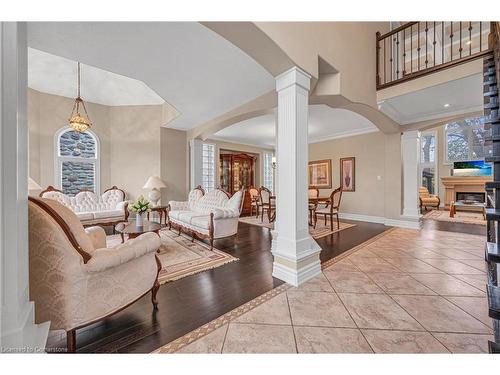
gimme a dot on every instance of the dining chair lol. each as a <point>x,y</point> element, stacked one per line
<point>313,195</point>
<point>255,200</point>
<point>266,203</point>
<point>331,209</point>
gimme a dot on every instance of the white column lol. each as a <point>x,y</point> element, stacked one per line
<point>296,254</point>
<point>410,149</point>
<point>17,328</point>
<point>196,162</point>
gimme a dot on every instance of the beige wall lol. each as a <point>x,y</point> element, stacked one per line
<point>135,146</point>
<point>130,144</point>
<point>369,151</point>
<point>46,115</point>
<point>174,164</point>
<point>259,151</point>
<point>348,46</point>
<point>393,182</point>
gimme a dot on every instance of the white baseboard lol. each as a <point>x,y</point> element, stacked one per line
<point>411,224</point>
<point>358,217</point>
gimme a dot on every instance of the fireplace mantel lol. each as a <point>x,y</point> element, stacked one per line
<point>455,184</point>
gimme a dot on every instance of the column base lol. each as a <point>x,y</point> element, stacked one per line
<point>29,338</point>
<point>411,219</point>
<point>296,271</point>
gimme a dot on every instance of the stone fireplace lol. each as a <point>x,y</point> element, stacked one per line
<point>464,186</point>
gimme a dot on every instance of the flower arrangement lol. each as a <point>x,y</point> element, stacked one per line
<point>140,206</point>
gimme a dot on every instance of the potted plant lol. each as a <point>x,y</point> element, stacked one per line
<point>140,207</point>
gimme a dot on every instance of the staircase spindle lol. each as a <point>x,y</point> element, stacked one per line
<point>442,42</point>
<point>434,45</point>
<point>397,55</point>
<point>426,43</point>
<point>460,49</point>
<point>404,52</point>
<point>451,41</point>
<point>418,48</point>
<point>411,49</point>
<point>470,38</point>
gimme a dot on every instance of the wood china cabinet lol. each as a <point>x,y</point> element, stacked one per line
<point>237,171</point>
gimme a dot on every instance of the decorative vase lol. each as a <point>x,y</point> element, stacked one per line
<point>138,220</point>
<point>347,181</point>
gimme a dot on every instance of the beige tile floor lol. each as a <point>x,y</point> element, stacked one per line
<point>407,292</point>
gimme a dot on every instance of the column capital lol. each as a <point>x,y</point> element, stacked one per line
<point>195,141</point>
<point>293,76</point>
<point>410,134</point>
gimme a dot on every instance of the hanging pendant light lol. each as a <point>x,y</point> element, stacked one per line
<point>77,121</point>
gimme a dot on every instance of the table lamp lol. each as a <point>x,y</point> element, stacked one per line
<point>154,183</point>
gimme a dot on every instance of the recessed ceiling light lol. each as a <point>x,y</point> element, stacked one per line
<point>446,105</point>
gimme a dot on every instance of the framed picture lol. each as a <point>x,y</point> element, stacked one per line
<point>320,174</point>
<point>347,174</point>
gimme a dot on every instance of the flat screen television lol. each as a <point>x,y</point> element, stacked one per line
<point>471,168</point>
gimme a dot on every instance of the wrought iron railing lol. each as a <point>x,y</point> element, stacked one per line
<point>419,48</point>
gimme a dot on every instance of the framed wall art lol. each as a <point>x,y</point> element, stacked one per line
<point>347,174</point>
<point>320,174</point>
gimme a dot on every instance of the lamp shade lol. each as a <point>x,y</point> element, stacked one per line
<point>32,185</point>
<point>154,182</point>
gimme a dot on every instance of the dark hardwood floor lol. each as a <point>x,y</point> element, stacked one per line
<point>188,303</point>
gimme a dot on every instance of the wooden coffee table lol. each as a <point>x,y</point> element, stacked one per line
<point>133,231</point>
<point>478,207</point>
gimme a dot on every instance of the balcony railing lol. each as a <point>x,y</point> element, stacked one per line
<point>419,48</point>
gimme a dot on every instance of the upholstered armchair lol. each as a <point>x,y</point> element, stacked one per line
<point>427,199</point>
<point>75,280</point>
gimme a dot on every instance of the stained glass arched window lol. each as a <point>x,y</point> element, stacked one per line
<point>77,161</point>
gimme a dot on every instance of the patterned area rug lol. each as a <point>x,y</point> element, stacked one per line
<point>321,230</point>
<point>180,257</point>
<point>467,217</point>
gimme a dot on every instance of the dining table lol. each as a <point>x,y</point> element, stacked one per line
<point>315,201</point>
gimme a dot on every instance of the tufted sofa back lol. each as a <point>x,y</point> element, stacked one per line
<point>87,201</point>
<point>217,199</point>
<point>210,201</point>
<point>194,196</point>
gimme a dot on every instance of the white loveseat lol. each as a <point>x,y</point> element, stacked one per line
<point>108,209</point>
<point>212,215</point>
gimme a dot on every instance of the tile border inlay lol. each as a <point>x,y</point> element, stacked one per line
<point>351,251</point>
<point>179,343</point>
<point>205,329</point>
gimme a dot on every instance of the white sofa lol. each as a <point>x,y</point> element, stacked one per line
<point>108,209</point>
<point>212,215</point>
